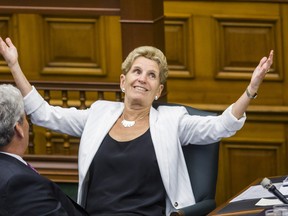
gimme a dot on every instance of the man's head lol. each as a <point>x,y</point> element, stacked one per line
<point>13,122</point>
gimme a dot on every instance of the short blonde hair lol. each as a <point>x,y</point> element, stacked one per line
<point>151,53</point>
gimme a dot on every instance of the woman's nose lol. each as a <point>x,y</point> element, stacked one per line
<point>142,78</point>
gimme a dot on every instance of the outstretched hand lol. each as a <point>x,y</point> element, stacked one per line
<point>260,71</point>
<point>8,51</point>
<point>10,54</point>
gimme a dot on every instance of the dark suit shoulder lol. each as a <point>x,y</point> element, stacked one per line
<point>25,192</point>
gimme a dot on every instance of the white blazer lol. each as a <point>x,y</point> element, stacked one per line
<point>170,127</point>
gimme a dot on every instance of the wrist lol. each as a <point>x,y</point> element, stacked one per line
<point>250,93</point>
<point>13,65</point>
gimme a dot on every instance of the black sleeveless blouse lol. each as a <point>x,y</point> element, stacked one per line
<point>124,179</point>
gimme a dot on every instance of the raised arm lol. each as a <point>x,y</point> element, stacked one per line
<point>241,105</point>
<point>10,54</point>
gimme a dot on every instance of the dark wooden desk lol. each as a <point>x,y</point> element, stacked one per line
<point>244,207</point>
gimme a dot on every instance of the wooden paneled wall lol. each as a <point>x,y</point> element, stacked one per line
<point>64,47</point>
<point>212,48</point>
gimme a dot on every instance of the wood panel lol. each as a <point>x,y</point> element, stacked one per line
<point>92,54</point>
<point>284,27</point>
<point>257,151</point>
<point>214,53</point>
<point>179,45</point>
<point>6,28</point>
<point>242,41</point>
<point>144,19</point>
<point>82,54</point>
<point>83,8</point>
<point>228,40</point>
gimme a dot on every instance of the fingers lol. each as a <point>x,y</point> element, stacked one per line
<point>9,42</point>
<point>270,58</point>
<point>269,61</point>
<point>271,53</point>
<point>8,51</point>
<point>265,63</point>
<point>2,44</point>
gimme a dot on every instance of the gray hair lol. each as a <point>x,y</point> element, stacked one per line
<point>11,112</point>
<point>151,53</point>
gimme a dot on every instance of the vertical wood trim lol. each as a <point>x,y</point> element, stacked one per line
<point>142,23</point>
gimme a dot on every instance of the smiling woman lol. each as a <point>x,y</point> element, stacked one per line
<point>142,84</point>
<point>130,155</point>
<point>151,53</point>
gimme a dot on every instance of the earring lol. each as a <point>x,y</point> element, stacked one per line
<point>123,90</point>
<point>156,97</point>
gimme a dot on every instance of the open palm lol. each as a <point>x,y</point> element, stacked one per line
<point>8,51</point>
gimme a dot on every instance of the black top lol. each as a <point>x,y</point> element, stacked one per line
<point>125,179</point>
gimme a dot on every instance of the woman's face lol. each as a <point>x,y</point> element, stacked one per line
<point>142,82</point>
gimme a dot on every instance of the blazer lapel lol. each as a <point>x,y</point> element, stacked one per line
<point>161,150</point>
<point>94,143</point>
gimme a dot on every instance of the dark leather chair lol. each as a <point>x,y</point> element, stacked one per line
<point>202,164</point>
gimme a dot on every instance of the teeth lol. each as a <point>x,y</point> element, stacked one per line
<point>140,88</point>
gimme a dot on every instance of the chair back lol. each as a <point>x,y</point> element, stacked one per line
<point>202,164</point>
<point>201,161</point>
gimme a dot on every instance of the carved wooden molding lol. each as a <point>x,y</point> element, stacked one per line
<point>237,154</point>
<point>86,8</point>
<point>235,35</point>
<point>179,45</point>
<point>82,54</point>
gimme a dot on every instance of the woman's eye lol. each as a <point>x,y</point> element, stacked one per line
<point>137,71</point>
<point>152,75</point>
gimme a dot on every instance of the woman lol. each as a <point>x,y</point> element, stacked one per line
<point>130,155</point>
